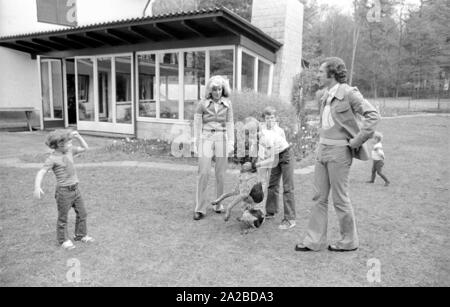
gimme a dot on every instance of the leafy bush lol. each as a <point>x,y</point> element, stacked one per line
<point>305,140</point>
<point>138,146</point>
<point>300,134</point>
<point>249,103</point>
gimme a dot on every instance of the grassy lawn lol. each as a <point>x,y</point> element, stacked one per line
<point>142,220</point>
<point>135,152</point>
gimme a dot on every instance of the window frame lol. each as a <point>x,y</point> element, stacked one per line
<point>181,84</point>
<point>257,58</point>
<point>48,62</point>
<point>94,59</point>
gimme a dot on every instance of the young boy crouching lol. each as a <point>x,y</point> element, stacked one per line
<point>67,193</point>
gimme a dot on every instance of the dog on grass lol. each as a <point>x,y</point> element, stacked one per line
<point>249,192</point>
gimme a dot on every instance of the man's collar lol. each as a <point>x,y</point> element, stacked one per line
<point>340,92</point>
<point>333,90</point>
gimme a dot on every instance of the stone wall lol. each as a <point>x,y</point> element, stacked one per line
<point>282,20</point>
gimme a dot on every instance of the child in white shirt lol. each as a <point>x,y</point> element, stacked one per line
<point>378,159</point>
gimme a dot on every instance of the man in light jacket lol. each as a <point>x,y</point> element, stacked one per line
<point>347,121</point>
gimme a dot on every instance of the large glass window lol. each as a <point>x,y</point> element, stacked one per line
<point>222,63</point>
<point>57,89</point>
<point>104,90</point>
<point>45,86</point>
<point>194,81</point>
<point>85,70</point>
<point>123,90</point>
<point>263,77</point>
<point>147,85</point>
<point>52,89</point>
<point>248,72</point>
<point>169,86</point>
<point>159,84</point>
<point>71,97</point>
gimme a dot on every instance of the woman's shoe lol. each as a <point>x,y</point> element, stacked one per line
<point>198,216</point>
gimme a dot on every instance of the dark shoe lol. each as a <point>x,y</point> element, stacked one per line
<point>333,248</point>
<point>302,248</point>
<point>370,181</point>
<point>270,215</point>
<point>198,216</point>
<point>387,184</point>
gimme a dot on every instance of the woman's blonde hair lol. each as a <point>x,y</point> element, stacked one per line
<point>218,81</point>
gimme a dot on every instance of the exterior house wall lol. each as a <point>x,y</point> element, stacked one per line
<point>19,19</point>
<point>283,21</point>
<point>19,77</point>
<point>19,85</point>
<point>19,80</point>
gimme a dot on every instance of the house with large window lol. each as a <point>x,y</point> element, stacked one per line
<point>144,76</point>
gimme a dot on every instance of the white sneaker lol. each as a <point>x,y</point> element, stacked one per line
<point>286,224</point>
<point>68,245</point>
<point>218,208</point>
<point>86,239</point>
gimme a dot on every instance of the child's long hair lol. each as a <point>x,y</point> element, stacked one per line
<point>57,137</point>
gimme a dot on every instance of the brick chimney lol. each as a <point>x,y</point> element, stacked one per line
<point>282,20</point>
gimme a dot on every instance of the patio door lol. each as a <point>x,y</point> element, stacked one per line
<point>105,98</point>
<point>52,93</point>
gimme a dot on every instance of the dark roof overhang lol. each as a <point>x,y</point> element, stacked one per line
<point>206,23</point>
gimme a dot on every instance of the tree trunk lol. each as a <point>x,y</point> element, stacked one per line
<point>397,79</point>
<point>374,88</point>
<point>355,43</point>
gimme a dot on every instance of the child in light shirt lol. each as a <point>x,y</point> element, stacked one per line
<point>67,193</point>
<point>378,159</point>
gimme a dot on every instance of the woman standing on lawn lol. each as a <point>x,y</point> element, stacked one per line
<point>213,137</point>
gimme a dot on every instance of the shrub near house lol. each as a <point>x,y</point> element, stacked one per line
<point>301,135</point>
